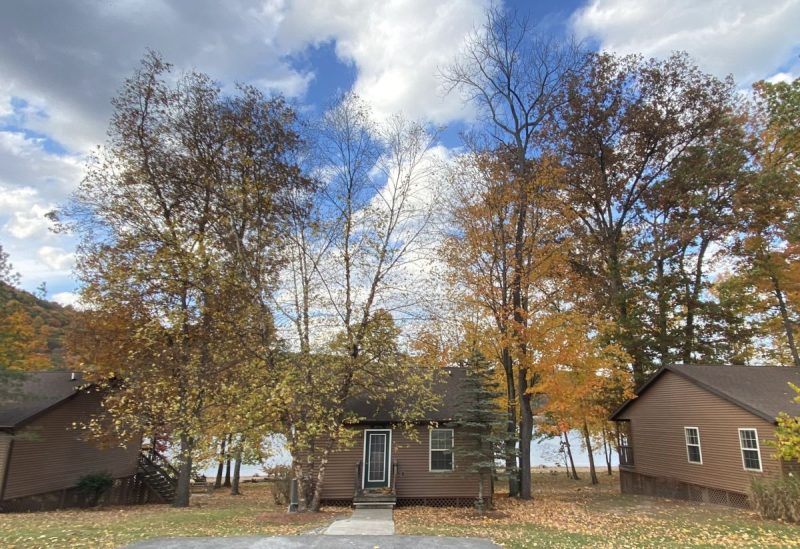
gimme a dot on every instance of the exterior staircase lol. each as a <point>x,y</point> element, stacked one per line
<point>158,475</point>
<point>375,498</point>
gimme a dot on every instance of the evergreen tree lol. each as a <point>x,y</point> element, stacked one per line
<point>483,422</point>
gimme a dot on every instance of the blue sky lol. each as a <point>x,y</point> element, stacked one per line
<point>62,60</point>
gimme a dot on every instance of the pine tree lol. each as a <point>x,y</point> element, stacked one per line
<point>483,421</point>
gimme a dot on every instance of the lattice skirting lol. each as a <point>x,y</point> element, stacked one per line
<point>637,483</point>
<point>440,502</point>
<point>411,502</point>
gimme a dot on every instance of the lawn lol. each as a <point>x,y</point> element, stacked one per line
<point>567,513</point>
<point>563,513</point>
<point>219,514</point>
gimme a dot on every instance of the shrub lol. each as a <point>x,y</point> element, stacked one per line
<point>94,485</point>
<point>280,477</point>
<point>777,499</point>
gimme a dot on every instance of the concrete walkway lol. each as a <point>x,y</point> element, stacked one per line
<point>364,522</point>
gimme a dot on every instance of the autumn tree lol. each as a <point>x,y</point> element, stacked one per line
<point>625,123</point>
<point>787,432</point>
<point>181,217</point>
<point>770,239</point>
<point>480,251</point>
<point>348,279</point>
<point>23,345</point>
<point>686,221</point>
<point>583,377</point>
<point>515,74</point>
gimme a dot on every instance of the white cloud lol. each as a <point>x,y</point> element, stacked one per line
<point>396,47</point>
<point>67,298</point>
<point>67,59</point>
<point>29,224</point>
<point>27,167</point>
<point>749,39</point>
<point>781,77</point>
<point>56,258</point>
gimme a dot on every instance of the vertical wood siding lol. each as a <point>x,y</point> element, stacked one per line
<point>414,480</point>
<point>658,418</point>
<point>50,455</point>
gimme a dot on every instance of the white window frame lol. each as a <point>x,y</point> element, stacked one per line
<point>757,449</point>
<point>431,451</point>
<point>364,454</point>
<point>699,446</point>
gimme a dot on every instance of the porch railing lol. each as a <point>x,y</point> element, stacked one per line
<point>625,455</point>
<point>395,468</point>
<point>357,488</point>
<point>357,492</point>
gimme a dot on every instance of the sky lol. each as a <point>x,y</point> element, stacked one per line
<point>61,61</point>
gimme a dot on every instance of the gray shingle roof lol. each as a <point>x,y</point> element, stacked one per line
<point>449,386</point>
<point>761,390</point>
<point>34,393</point>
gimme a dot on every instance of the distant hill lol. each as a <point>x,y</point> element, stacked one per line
<point>49,320</point>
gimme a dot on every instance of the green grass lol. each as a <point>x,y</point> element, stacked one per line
<point>566,513</point>
<point>563,513</point>
<point>218,514</point>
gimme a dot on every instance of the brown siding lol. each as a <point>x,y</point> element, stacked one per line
<point>659,449</point>
<point>48,454</point>
<point>5,443</point>
<point>414,480</point>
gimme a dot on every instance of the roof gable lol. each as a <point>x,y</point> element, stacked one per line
<point>761,390</point>
<point>34,394</point>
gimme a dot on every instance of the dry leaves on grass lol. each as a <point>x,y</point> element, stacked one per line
<point>513,520</point>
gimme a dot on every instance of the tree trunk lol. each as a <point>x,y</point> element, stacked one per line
<point>587,439</point>
<point>236,471</point>
<point>662,305</point>
<point>479,503</point>
<point>620,304</point>
<point>692,301</point>
<point>607,451</point>
<point>220,464</point>
<point>569,455</point>
<point>323,462</point>
<point>525,436</point>
<point>788,325</point>
<point>184,472</point>
<point>304,488</point>
<point>227,483</point>
<point>511,446</point>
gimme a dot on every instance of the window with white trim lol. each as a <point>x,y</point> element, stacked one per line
<point>441,450</point>
<point>693,452</point>
<point>751,453</point>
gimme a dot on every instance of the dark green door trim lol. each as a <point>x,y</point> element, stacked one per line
<point>377,457</point>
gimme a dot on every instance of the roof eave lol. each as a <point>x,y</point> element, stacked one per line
<point>713,390</point>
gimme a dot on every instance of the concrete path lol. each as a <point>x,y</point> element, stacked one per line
<point>317,542</point>
<point>364,522</point>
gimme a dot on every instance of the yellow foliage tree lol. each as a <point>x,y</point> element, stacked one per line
<point>580,377</point>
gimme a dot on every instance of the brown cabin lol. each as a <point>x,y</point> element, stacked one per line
<point>702,432</point>
<point>42,456</point>
<point>387,467</point>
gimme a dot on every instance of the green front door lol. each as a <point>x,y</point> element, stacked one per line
<point>377,447</point>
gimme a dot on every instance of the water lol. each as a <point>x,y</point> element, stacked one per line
<point>543,453</point>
